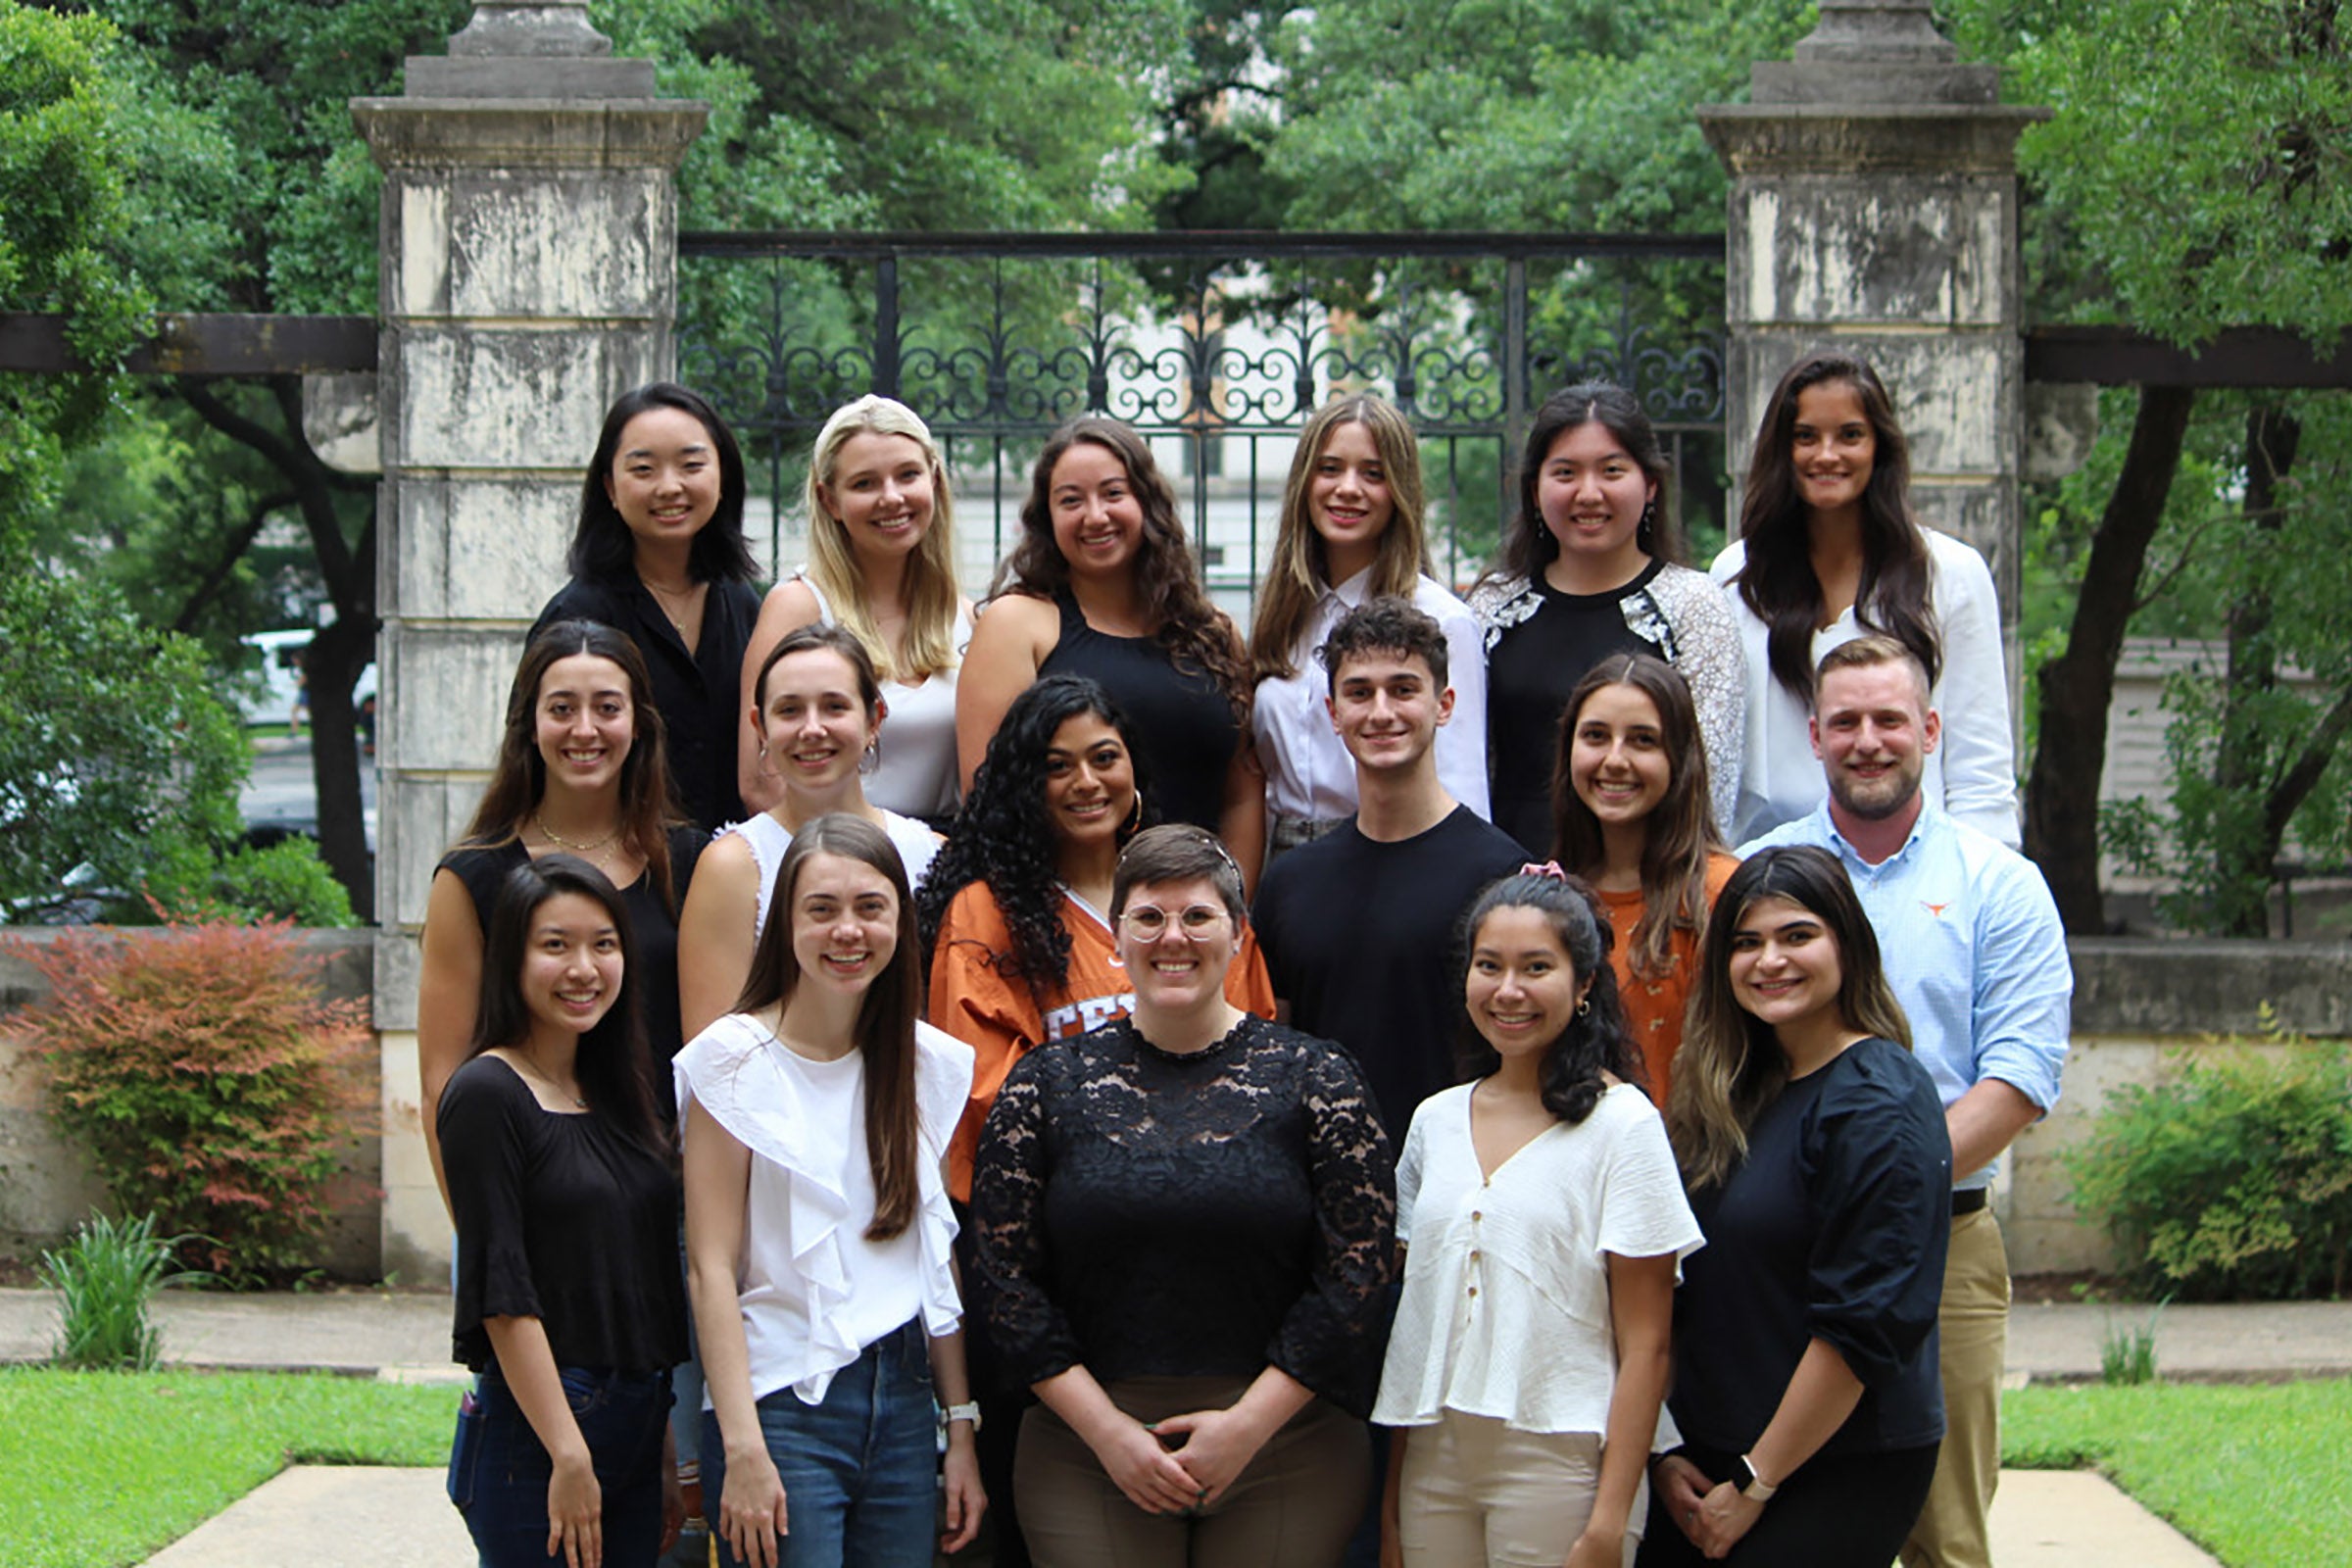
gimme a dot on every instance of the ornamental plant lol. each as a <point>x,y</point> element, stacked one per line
<point>2232,1180</point>
<point>211,1082</point>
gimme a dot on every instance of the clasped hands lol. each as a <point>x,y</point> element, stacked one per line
<point>1181,1464</point>
<point>1713,1514</point>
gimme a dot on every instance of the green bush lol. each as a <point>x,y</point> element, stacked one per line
<point>209,1082</point>
<point>287,881</point>
<point>2231,1182</point>
<point>104,1279</point>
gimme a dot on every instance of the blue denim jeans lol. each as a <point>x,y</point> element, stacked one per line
<point>859,1470</point>
<point>498,1470</point>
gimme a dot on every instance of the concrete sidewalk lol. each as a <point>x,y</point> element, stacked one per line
<point>329,1517</point>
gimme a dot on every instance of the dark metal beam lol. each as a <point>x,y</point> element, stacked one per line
<point>1220,244</point>
<point>203,345</point>
<point>2237,357</point>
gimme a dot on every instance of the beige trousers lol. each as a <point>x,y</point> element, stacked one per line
<point>1473,1491</point>
<point>1974,1328</point>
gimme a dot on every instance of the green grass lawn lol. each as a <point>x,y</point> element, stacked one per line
<point>102,1468</point>
<point>2259,1476</point>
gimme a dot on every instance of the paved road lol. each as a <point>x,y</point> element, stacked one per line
<point>280,792</point>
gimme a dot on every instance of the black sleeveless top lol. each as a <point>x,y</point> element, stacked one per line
<point>1184,726</point>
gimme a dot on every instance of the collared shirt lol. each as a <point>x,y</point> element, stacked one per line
<point>1973,948</point>
<point>1308,771</point>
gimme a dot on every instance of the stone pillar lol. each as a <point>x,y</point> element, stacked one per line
<point>1874,207</point>
<point>528,269</point>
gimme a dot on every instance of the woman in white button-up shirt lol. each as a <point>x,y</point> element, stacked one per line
<point>1545,1221</point>
<point>1350,529</point>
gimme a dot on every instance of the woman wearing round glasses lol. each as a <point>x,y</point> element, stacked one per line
<point>1184,1237</point>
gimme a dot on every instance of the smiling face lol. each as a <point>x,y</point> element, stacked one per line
<point>1522,988</point>
<point>1184,967</point>
<point>664,481</point>
<point>1591,494</point>
<point>881,490</point>
<point>585,723</point>
<point>1784,967</point>
<point>1617,760</point>
<point>845,922</point>
<point>1834,447</point>
<point>1386,708</point>
<point>1872,731</point>
<point>1090,783</point>
<point>1097,518</point>
<point>572,965</point>
<point>815,726</point>
<point>1347,498</point>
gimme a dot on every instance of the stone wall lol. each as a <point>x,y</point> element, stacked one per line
<point>2142,1008</point>
<point>46,1183</point>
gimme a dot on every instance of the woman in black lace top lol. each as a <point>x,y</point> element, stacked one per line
<point>1185,1232</point>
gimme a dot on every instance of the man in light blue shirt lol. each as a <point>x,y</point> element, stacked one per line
<point>1977,956</point>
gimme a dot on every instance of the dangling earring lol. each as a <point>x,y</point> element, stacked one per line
<point>869,762</point>
<point>1135,819</point>
<point>1645,533</point>
<point>761,767</point>
<point>1583,1007</point>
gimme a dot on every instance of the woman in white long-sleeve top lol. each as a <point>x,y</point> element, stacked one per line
<point>1828,550</point>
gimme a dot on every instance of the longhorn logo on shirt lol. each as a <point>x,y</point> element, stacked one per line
<point>1936,909</point>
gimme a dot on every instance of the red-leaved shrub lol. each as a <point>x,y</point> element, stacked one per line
<point>211,1082</point>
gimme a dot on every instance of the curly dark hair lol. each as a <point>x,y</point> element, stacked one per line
<point>1385,624</point>
<point>1596,1039</point>
<point>1193,631</point>
<point>1003,838</point>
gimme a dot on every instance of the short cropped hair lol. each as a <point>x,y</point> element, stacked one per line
<point>1869,652</point>
<point>1387,624</point>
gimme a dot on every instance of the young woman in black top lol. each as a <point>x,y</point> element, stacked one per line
<point>569,1298</point>
<point>659,555</point>
<point>1185,1236</point>
<point>1814,1150</point>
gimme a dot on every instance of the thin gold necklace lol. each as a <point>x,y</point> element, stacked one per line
<point>562,843</point>
<point>578,1100</point>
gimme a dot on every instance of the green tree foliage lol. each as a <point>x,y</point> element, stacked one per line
<point>2198,174</point>
<point>64,221</point>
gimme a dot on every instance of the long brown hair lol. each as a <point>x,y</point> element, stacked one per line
<point>886,1020</point>
<point>518,778</point>
<point>1300,567</point>
<point>1679,834</point>
<point>1192,629</point>
<point>931,590</point>
<point>1777,581</point>
<point>1731,1064</point>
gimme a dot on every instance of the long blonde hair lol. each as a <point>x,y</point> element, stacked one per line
<point>1299,570</point>
<point>932,594</point>
<point>1731,1064</point>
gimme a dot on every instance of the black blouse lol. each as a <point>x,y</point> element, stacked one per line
<point>1834,1227</point>
<point>653,922</point>
<point>700,693</point>
<point>1142,1212</point>
<point>561,1219</point>
<point>1184,723</point>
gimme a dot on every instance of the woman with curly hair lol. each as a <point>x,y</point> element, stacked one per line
<point>1828,550</point>
<point>1102,584</point>
<point>881,563</point>
<point>1590,571</point>
<point>1546,1190</point>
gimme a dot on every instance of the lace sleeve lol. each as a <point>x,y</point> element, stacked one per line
<point>1032,1339</point>
<point>1708,653</point>
<point>1329,1338</point>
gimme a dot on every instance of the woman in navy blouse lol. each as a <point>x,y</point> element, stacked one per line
<point>1815,1154</point>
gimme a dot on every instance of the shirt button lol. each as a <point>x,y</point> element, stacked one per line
<point>1474,1254</point>
<point>1475,1216</point>
<point>1473,1289</point>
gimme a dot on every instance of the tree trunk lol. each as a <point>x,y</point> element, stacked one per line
<point>2243,763</point>
<point>2062,791</point>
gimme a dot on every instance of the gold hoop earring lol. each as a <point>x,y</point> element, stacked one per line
<point>1135,819</point>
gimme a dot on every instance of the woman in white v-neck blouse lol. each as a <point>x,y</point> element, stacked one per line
<point>1545,1222</point>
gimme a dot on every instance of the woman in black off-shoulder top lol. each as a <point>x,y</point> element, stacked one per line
<point>1185,1232</point>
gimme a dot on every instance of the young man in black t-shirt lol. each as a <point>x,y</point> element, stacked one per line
<point>1359,927</point>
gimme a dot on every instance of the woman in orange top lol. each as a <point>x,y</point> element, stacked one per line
<point>1630,816</point>
<point>1013,912</point>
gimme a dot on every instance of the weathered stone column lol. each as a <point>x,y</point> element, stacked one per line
<point>1874,207</point>
<point>529,276</point>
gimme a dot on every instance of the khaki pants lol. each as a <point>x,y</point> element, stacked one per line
<point>1293,1508</point>
<point>1973,1326</point>
<point>1476,1492</point>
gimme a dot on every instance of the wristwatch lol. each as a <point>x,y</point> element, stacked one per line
<point>969,1410</point>
<point>1747,1483</point>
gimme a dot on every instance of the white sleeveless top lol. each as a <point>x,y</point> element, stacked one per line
<point>916,774</point>
<point>770,839</point>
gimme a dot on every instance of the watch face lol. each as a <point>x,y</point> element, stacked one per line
<point>1743,1475</point>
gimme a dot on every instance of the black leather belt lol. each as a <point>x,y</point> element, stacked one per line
<point>1968,1201</point>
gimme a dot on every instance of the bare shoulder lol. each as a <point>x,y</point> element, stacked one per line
<point>789,606</point>
<point>1016,621</point>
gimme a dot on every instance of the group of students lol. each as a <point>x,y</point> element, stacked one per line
<point>1035,1146</point>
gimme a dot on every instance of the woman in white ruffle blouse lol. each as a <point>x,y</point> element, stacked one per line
<point>819,1232</point>
<point>1545,1223</point>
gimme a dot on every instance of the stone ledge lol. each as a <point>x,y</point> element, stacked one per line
<point>1858,139</point>
<point>529,132</point>
<point>2154,986</point>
